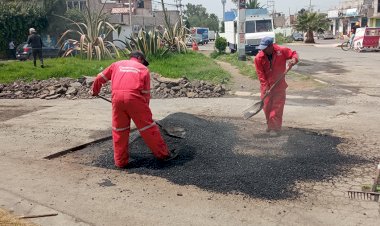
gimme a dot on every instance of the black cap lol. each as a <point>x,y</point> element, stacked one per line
<point>139,54</point>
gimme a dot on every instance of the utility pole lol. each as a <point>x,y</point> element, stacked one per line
<point>130,14</point>
<point>241,31</point>
<point>224,9</point>
<point>310,6</point>
<point>270,4</point>
<point>180,6</point>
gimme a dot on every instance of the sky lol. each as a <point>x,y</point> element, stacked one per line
<point>215,6</point>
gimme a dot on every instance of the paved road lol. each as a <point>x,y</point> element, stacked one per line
<point>345,103</point>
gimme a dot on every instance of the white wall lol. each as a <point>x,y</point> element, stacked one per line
<point>124,34</point>
<point>285,31</point>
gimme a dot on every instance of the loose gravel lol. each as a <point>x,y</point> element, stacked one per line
<point>233,156</point>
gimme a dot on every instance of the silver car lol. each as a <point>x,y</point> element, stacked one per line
<point>325,35</point>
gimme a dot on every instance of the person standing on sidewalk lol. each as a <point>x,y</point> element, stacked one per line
<point>12,50</point>
<point>130,81</point>
<point>270,64</point>
<point>35,41</point>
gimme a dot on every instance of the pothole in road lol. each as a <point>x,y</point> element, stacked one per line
<point>231,155</point>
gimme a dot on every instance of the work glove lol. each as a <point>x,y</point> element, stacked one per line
<point>291,63</point>
<point>91,93</point>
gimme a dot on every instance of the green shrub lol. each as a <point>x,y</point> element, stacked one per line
<point>221,44</point>
<point>281,39</point>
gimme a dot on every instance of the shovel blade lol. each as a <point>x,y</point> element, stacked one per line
<point>253,110</point>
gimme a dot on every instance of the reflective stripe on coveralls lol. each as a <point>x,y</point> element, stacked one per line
<point>145,91</point>
<point>147,127</point>
<point>104,77</point>
<point>120,129</point>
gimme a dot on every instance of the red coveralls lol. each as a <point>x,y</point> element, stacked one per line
<point>130,100</point>
<point>268,73</point>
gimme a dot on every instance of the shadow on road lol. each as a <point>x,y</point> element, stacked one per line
<point>330,66</point>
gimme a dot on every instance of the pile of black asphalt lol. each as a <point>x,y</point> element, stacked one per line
<point>233,156</point>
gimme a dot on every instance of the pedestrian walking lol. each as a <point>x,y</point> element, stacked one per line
<point>35,41</point>
<point>12,50</point>
<point>270,64</point>
<point>130,80</point>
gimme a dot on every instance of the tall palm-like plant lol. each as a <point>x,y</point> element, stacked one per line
<point>310,22</point>
<point>174,36</point>
<point>92,33</point>
<point>250,4</point>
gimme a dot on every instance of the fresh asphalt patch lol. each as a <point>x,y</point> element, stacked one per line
<point>233,156</point>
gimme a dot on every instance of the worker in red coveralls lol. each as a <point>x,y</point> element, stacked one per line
<point>130,80</point>
<point>270,64</point>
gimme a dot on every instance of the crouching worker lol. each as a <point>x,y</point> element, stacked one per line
<point>130,81</point>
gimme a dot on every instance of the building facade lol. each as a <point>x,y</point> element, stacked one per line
<point>138,15</point>
<point>348,12</point>
<point>374,14</point>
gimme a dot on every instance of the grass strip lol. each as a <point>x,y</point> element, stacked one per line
<point>191,65</point>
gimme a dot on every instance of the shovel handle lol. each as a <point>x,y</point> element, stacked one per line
<point>102,97</point>
<point>276,82</point>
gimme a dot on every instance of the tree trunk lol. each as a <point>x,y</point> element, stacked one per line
<point>309,37</point>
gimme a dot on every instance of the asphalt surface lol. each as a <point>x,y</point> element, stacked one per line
<point>233,156</point>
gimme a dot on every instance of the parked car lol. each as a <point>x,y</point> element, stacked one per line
<point>325,35</point>
<point>297,37</point>
<point>190,39</point>
<point>24,52</point>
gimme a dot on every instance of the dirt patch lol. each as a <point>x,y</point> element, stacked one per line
<point>8,219</point>
<point>13,111</point>
<point>238,81</point>
<point>231,156</point>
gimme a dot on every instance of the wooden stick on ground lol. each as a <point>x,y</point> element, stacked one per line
<point>39,215</point>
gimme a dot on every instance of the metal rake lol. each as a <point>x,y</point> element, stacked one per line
<point>373,196</point>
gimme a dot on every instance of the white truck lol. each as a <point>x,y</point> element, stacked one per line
<point>258,24</point>
<point>211,35</point>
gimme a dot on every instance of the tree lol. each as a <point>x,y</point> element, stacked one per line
<point>311,22</point>
<point>250,4</point>
<point>197,16</point>
<point>17,17</point>
<point>91,35</point>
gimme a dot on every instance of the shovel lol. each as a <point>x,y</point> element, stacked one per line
<point>256,108</point>
<point>176,132</point>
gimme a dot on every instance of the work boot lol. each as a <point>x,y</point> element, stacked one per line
<point>172,155</point>
<point>131,164</point>
<point>274,133</point>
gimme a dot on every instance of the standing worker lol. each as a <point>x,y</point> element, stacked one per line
<point>35,41</point>
<point>130,81</point>
<point>270,64</point>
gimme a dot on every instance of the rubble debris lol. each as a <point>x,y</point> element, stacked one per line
<point>78,88</point>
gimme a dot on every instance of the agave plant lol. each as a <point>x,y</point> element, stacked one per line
<point>174,36</point>
<point>91,43</point>
<point>150,43</point>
